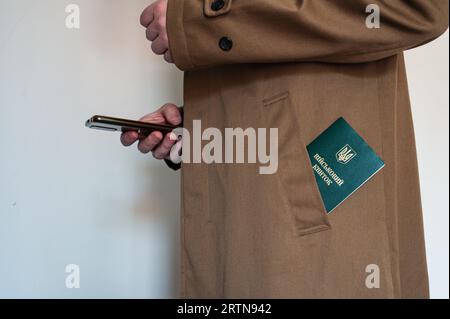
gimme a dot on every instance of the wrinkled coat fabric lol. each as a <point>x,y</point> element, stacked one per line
<point>298,66</point>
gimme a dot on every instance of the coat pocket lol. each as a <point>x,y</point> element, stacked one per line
<point>297,181</point>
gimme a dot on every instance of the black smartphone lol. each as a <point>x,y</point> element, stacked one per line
<point>112,124</point>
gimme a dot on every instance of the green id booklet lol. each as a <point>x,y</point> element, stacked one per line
<point>342,162</point>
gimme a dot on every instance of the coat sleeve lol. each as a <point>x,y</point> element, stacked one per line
<point>269,31</point>
<point>172,165</point>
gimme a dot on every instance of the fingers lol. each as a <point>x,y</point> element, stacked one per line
<point>151,34</point>
<point>156,143</point>
<point>167,114</point>
<point>159,45</point>
<point>147,16</point>
<point>172,114</point>
<point>153,18</point>
<point>129,138</point>
<point>156,28</point>
<point>157,34</point>
<point>168,57</point>
<point>155,117</point>
<point>153,143</point>
<point>148,144</point>
<point>162,151</point>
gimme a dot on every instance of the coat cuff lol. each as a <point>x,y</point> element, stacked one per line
<point>194,34</point>
<point>172,165</point>
<point>176,33</point>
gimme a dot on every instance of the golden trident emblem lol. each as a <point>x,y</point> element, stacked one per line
<point>345,155</point>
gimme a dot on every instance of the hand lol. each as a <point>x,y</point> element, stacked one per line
<point>156,143</point>
<point>154,19</point>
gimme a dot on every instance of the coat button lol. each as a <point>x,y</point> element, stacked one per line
<point>226,44</point>
<point>217,5</point>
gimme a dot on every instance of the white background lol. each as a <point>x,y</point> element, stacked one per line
<point>71,195</point>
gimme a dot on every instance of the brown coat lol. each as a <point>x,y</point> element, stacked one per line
<point>298,65</point>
